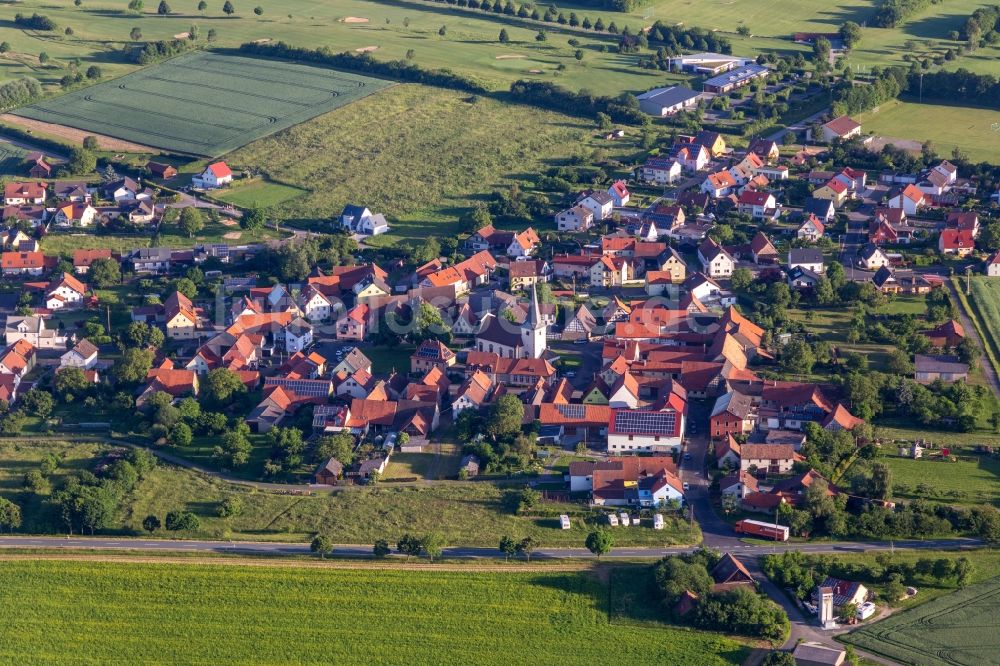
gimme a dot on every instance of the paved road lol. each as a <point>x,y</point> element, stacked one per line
<point>284,548</point>
<point>970,330</point>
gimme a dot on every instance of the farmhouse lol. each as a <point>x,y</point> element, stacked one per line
<point>215,175</point>
<point>161,171</point>
<point>928,368</point>
<point>840,128</point>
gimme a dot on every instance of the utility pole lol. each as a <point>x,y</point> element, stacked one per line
<point>968,280</point>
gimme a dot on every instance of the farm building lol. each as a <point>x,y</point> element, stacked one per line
<point>661,102</point>
<point>736,78</point>
<point>215,175</point>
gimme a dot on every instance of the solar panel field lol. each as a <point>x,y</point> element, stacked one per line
<point>955,629</point>
<point>205,103</point>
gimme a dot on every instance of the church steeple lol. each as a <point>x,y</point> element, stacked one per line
<point>534,318</point>
<point>533,329</point>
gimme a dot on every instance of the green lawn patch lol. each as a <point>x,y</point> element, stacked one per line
<point>187,613</point>
<point>259,193</point>
<point>973,479</point>
<point>205,103</point>
<point>952,629</point>
<point>968,128</point>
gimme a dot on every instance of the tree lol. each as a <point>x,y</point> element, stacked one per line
<point>322,545</point>
<point>231,506</point>
<point>182,520</point>
<point>541,36</point>
<point>4,47</point>
<point>135,6</point>
<point>741,279</point>
<point>211,35</point>
<point>600,542</point>
<point>253,219</point>
<point>899,363</point>
<point>508,546</point>
<point>433,545</point>
<point>796,356</point>
<point>409,545</point>
<point>381,549</point>
<point>506,416</point>
<point>133,366</point>
<point>10,515</point>
<point>236,446</point>
<point>163,9</point>
<point>881,481</point>
<point>220,385</point>
<point>339,446</point>
<point>258,10</point>
<point>848,612</point>
<point>778,658</point>
<point>969,352</point>
<point>850,32</point>
<point>963,571</point>
<point>228,8</point>
<point>202,6</point>
<point>504,37</point>
<point>94,72</point>
<point>528,499</point>
<point>151,523</point>
<point>43,57</point>
<point>443,30</point>
<point>37,403</point>
<point>192,221</point>
<point>180,435</point>
<point>527,546</point>
<point>81,161</point>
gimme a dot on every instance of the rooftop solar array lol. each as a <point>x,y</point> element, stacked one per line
<point>311,388</point>
<point>645,423</point>
<point>571,411</point>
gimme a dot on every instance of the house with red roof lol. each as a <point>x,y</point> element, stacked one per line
<point>910,199</point>
<point>19,194</point>
<point>65,291</point>
<point>842,128</point>
<point>82,259</point>
<point>630,481</point>
<point>22,263</point>
<point>719,184</point>
<point>215,175</point>
<point>960,242</point>
<point>353,325</point>
<point>811,229</point>
<point>619,193</point>
<point>834,190</point>
<point>758,205</point>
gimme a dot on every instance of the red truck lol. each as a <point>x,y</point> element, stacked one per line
<point>762,529</point>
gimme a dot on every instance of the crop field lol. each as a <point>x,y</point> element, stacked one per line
<point>957,629</point>
<point>12,160</point>
<point>205,103</point>
<point>387,30</point>
<point>429,157</point>
<point>970,129</point>
<point>144,613</point>
<point>985,301</point>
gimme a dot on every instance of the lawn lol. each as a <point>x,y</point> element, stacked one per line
<point>967,128</point>
<point>974,479</point>
<point>469,45</point>
<point>953,629</point>
<point>475,513</point>
<point>429,155</point>
<point>205,103</point>
<point>62,611</point>
<point>259,193</point>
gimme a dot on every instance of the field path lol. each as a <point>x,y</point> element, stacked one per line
<point>965,318</point>
<point>77,135</point>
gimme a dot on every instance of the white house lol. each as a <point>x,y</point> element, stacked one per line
<point>719,184</point>
<point>911,199</point>
<point>598,203</point>
<point>872,257</point>
<point>806,258</point>
<point>715,261</point>
<point>67,291</point>
<point>360,220</point>
<point>639,431</point>
<point>83,355</point>
<point>619,193</point>
<point>993,265</point>
<point>75,215</point>
<point>811,229</point>
<point>840,128</point>
<point>215,175</point>
<point>661,171</point>
<point>576,218</point>
<point>298,335</point>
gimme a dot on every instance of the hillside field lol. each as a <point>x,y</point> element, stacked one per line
<point>474,514</point>
<point>957,629</point>
<point>419,155</point>
<point>205,103</point>
<point>144,613</point>
<point>971,130</point>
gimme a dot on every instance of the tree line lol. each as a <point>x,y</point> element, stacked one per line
<point>19,92</point>
<point>886,85</point>
<point>892,12</point>
<point>159,50</point>
<point>960,86</point>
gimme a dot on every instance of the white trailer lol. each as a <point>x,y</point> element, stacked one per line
<point>658,521</point>
<point>623,517</point>
<point>612,520</point>
<point>564,521</point>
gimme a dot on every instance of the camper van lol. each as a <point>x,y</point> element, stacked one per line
<point>564,521</point>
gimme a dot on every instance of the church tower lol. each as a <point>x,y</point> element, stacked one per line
<point>533,329</point>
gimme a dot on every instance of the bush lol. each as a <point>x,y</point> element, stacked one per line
<point>182,520</point>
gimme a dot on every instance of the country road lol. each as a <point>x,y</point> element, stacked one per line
<point>458,552</point>
<point>965,318</point>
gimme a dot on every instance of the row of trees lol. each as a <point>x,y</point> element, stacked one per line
<point>892,12</point>
<point>960,86</point>
<point>19,92</point>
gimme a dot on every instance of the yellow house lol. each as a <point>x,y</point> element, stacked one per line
<point>713,142</point>
<point>834,191</point>
<point>180,316</point>
<point>595,395</point>
<point>368,289</point>
<point>674,265</point>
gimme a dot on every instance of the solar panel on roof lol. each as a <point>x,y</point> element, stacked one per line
<point>571,411</point>
<point>647,423</point>
<point>310,388</point>
<point>428,352</point>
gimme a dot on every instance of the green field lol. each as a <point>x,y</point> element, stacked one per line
<point>429,155</point>
<point>465,513</point>
<point>205,103</point>
<point>973,480</point>
<point>259,193</point>
<point>149,613</point>
<point>470,46</point>
<point>947,127</point>
<point>956,629</point>
<point>12,160</point>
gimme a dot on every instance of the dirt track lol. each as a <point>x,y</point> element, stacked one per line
<point>76,135</point>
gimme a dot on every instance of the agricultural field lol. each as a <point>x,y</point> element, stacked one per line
<point>431,154</point>
<point>278,614</point>
<point>465,513</point>
<point>971,130</point>
<point>205,103</point>
<point>387,31</point>
<point>11,160</point>
<point>956,629</point>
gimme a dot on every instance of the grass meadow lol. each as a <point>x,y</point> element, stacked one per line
<point>955,629</point>
<point>420,155</point>
<point>969,129</point>
<point>973,479</point>
<point>205,103</point>
<point>100,612</point>
<point>469,46</point>
<point>474,514</point>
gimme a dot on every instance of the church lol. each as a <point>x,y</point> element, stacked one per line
<point>509,340</point>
